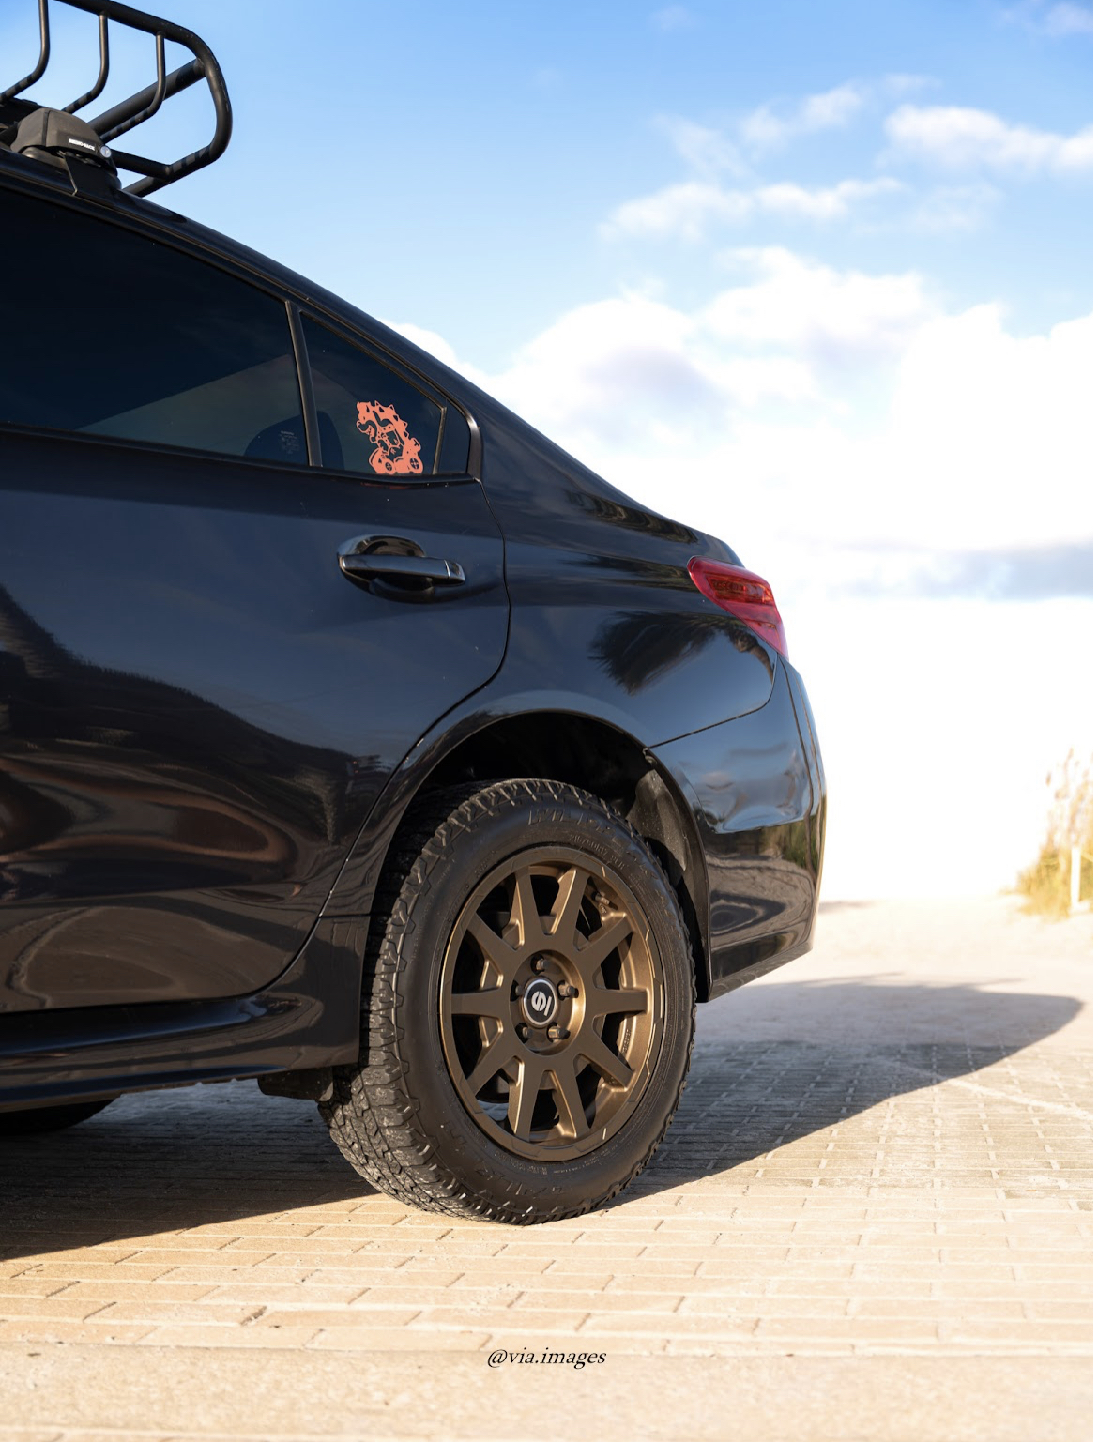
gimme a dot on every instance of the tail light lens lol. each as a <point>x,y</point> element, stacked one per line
<point>744,595</point>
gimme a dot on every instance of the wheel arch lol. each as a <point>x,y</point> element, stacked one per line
<point>598,757</point>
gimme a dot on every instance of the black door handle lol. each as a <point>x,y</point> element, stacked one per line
<point>398,560</point>
<point>370,565</point>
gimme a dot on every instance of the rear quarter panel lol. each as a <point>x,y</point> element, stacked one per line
<point>603,609</point>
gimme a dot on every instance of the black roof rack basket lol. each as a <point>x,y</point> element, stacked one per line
<point>143,104</point>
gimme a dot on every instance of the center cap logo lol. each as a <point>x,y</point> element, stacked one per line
<point>540,1001</point>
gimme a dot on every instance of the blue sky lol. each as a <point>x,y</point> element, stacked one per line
<point>815,277</point>
<point>439,148</point>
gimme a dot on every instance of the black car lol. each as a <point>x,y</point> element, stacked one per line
<point>353,736</point>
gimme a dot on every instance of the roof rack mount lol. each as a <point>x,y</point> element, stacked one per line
<point>141,105</point>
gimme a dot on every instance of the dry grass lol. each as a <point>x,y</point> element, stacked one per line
<point>1046,884</point>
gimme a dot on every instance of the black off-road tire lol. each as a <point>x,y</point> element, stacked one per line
<point>405,1117</point>
<point>37,1120</point>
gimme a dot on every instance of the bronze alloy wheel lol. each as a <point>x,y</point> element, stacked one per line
<point>551,1004</point>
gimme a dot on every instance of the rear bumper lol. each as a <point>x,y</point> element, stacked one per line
<point>757,791</point>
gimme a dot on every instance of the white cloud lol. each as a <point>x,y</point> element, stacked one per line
<point>428,340</point>
<point>832,202</point>
<point>672,17</point>
<point>956,207</point>
<point>606,374</point>
<point>866,421</point>
<point>958,137</point>
<point>907,84</point>
<point>690,208</point>
<point>708,150</point>
<point>815,311</point>
<point>702,148</point>
<point>1067,19</point>
<point>685,209</point>
<point>1057,20</point>
<point>831,108</point>
<point>773,124</point>
<point>760,367</point>
<point>995,432</point>
<point>766,128</point>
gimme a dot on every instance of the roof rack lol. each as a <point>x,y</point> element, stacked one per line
<point>140,106</point>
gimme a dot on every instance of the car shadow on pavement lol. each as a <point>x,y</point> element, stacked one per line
<point>163,1162</point>
<point>772,1065</point>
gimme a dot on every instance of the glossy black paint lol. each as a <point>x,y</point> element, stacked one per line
<point>604,615</point>
<point>201,708</point>
<point>755,786</point>
<point>210,732</point>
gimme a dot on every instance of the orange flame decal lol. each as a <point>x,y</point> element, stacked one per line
<point>396,453</point>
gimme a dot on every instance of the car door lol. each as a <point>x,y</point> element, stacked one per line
<point>213,653</point>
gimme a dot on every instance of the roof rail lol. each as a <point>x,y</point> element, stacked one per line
<point>143,104</point>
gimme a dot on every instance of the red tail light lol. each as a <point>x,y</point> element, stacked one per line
<point>744,595</point>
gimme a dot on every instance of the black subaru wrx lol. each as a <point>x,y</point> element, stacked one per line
<point>353,737</point>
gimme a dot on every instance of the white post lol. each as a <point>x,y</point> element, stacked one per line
<point>1075,876</point>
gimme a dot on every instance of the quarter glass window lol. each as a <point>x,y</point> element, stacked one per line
<point>371,420</point>
<point>110,333</point>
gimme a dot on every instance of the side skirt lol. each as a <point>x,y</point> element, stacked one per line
<point>308,1018</point>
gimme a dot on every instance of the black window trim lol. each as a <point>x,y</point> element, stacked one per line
<point>338,326</point>
<point>307,389</point>
<point>153,448</point>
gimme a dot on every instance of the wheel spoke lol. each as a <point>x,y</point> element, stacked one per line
<point>567,906</point>
<point>624,998</point>
<point>602,943</point>
<point>525,910</point>
<point>552,913</point>
<point>605,1061</point>
<point>523,1094</point>
<point>498,1053</point>
<point>493,1002</point>
<point>574,1123</point>
<point>501,956</point>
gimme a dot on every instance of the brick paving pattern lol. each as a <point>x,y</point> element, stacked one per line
<point>885,1150</point>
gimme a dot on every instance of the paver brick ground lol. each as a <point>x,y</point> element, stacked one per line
<point>873,1217</point>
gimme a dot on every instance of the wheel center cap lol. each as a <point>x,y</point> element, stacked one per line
<point>540,1001</point>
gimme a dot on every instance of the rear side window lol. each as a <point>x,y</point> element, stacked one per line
<point>373,421</point>
<point>110,333</point>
